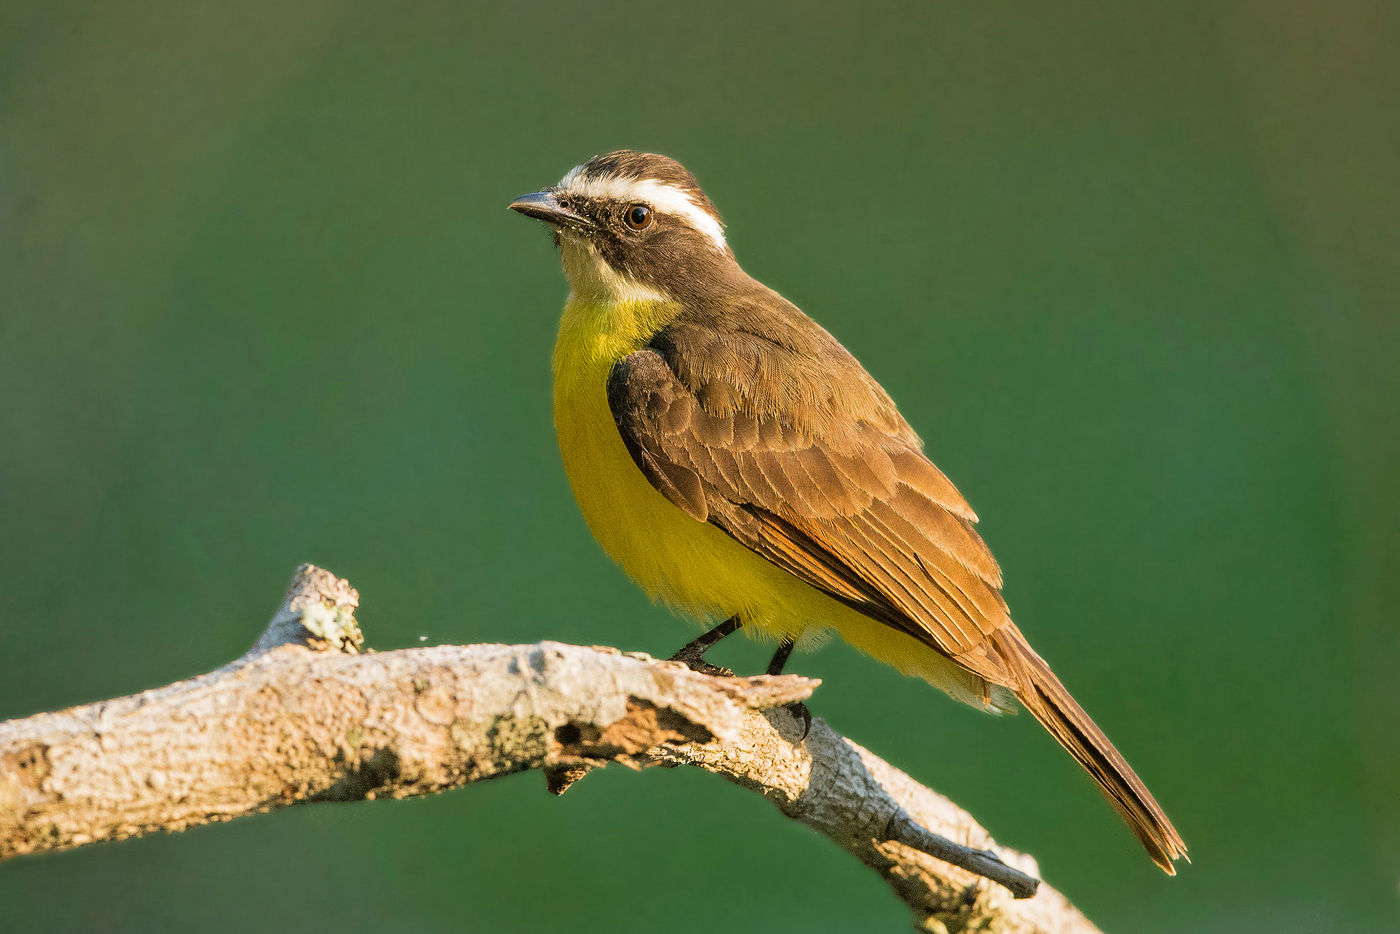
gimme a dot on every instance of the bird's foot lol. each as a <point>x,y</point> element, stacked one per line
<point>799,710</point>
<point>695,661</point>
<point>692,654</point>
<point>802,715</point>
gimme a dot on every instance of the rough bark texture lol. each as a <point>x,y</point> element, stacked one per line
<point>303,717</point>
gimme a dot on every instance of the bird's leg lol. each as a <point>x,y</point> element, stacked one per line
<point>693,653</point>
<point>798,709</point>
<point>780,657</point>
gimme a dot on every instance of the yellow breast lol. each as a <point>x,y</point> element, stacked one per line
<point>658,545</point>
<point>691,566</point>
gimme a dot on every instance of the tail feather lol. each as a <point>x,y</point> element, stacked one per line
<point>1046,698</point>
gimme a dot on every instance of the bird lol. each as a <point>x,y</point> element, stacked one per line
<point>742,467</point>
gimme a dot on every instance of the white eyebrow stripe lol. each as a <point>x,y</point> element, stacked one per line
<point>664,198</point>
<point>569,178</point>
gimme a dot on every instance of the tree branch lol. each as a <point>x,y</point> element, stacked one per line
<point>303,717</point>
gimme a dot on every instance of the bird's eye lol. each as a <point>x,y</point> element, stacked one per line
<point>639,217</point>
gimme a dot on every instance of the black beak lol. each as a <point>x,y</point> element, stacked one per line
<point>545,206</point>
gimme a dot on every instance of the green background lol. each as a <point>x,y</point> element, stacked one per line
<point>1130,269</point>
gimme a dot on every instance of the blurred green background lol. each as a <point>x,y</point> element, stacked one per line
<point>1131,271</point>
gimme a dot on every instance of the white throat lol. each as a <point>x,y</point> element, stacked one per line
<point>591,279</point>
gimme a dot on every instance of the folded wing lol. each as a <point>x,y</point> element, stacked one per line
<point>782,440</point>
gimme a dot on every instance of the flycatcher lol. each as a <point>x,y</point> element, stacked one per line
<point>741,466</point>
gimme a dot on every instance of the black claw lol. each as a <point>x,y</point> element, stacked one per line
<point>696,663</point>
<point>801,714</point>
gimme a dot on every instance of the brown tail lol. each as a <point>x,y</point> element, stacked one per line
<point>1048,701</point>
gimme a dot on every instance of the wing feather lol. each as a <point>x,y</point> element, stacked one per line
<point>840,496</point>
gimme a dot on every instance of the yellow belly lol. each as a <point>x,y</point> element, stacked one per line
<point>692,566</point>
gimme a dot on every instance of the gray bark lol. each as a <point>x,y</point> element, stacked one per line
<point>303,717</point>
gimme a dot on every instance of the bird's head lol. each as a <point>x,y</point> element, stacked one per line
<point>633,226</point>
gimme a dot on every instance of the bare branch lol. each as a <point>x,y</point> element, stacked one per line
<point>303,718</point>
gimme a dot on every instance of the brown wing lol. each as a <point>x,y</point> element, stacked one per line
<point>768,428</point>
<point>810,465</point>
